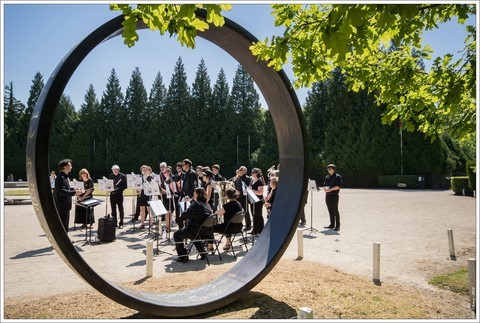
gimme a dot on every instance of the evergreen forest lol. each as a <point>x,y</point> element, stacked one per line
<point>213,124</point>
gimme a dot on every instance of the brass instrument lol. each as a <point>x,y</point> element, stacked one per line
<point>221,187</point>
<point>272,171</point>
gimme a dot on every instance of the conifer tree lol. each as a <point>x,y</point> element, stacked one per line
<point>14,155</point>
<point>156,110</point>
<point>110,122</point>
<point>201,115</point>
<point>244,101</point>
<point>85,140</point>
<point>177,112</point>
<point>132,136</point>
<point>62,138</point>
<point>223,150</point>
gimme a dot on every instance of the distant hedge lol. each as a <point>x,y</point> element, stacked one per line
<point>472,174</point>
<point>459,183</point>
<point>392,181</point>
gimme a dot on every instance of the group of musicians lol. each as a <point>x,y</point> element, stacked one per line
<point>190,195</point>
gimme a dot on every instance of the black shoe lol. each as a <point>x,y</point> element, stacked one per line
<point>182,259</point>
<point>336,229</point>
<point>203,256</point>
<point>247,228</point>
<point>303,223</point>
<point>329,227</point>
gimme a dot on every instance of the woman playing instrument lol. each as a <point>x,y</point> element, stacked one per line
<point>207,185</point>
<point>228,210</point>
<point>143,199</point>
<point>257,185</point>
<point>85,215</point>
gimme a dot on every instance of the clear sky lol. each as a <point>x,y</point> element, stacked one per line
<point>38,35</point>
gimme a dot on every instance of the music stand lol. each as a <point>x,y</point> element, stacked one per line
<point>88,205</point>
<point>107,186</point>
<point>253,198</point>
<point>158,209</point>
<point>134,182</point>
<point>78,186</point>
<point>312,186</point>
<point>152,190</point>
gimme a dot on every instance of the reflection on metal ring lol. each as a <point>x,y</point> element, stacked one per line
<point>279,230</point>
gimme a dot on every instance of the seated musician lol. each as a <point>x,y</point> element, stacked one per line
<point>194,216</point>
<point>228,210</point>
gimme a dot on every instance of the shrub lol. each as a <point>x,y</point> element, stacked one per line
<point>392,181</point>
<point>458,184</point>
<point>472,174</point>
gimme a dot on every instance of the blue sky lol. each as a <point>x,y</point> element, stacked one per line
<point>38,36</point>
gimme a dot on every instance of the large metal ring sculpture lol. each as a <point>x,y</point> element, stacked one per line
<point>278,231</point>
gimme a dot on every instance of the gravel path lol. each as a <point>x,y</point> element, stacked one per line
<point>410,225</point>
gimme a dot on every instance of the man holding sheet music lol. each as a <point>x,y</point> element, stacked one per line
<point>116,196</point>
<point>63,193</point>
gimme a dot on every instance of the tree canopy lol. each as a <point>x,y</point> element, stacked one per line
<point>377,46</point>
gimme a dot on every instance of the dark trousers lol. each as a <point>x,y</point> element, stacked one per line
<point>332,204</point>
<point>243,201</point>
<point>180,235</point>
<point>117,200</point>
<point>64,217</point>
<point>257,215</point>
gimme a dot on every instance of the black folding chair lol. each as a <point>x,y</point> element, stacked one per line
<point>237,218</point>
<point>207,224</point>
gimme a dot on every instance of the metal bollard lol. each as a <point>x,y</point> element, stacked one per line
<point>300,243</point>
<point>451,244</point>
<point>149,258</point>
<point>376,262</point>
<point>472,269</point>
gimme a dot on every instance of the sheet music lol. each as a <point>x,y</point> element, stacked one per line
<point>312,185</point>
<point>151,188</point>
<point>105,184</point>
<point>78,185</point>
<point>131,180</point>
<point>157,207</point>
<point>138,184</point>
<point>252,196</point>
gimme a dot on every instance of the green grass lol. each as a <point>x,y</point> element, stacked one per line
<point>456,281</point>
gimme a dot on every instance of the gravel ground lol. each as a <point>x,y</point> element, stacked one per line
<point>333,278</point>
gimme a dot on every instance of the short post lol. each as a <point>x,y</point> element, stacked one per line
<point>305,313</point>
<point>149,258</point>
<point>300,243</point>
<point>472,268</point>
<point>450,243</point>
<point>376,262</point>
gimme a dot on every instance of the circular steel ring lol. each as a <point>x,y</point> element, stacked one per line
<point>279,230</point>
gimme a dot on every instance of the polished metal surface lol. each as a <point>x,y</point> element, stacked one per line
<point>280,227</point>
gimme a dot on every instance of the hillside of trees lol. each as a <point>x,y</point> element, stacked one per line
<point>215,125</point>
